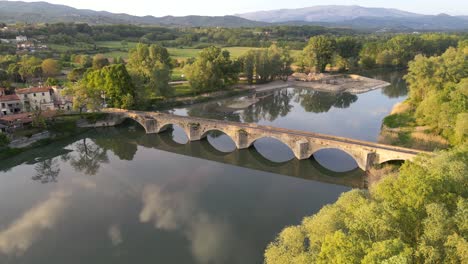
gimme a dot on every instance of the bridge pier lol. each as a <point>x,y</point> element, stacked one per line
<point>241,139</point>
<point>301,149</point>
<point>193,132</point>
<point>151,126</point>
<point>365,160</point>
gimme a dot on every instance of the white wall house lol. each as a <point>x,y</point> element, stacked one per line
<point>36,98</point>
<point>10,104</point>
<point>21,38</point>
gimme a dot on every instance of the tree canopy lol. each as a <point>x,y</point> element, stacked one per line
<point>262,65</point>
<point>212,70</point>
<point>419,215</point>
<point>438,92</point>
<point>151,68</point>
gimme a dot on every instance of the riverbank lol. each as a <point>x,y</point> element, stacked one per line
<point>399,128</point>
<point>338,83</point>
<point>60,128</point>
<point>165,103</point>
<point>352,83</point>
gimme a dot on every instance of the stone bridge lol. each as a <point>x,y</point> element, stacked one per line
<point>303,144</point>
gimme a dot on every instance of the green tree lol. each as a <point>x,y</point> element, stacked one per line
<point>113,81</point>
<point>84,97</point>
<point>99,61</point>
<point>29,67</point>
<point>263,65</point>
<point>50,67</point>
<point>418,215</point>
<point>212,70</point>
<point>150,68</point>
<point>438,92</point>
<point>4,140</point>
<point>319,52</point>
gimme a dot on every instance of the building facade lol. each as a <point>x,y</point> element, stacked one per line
<point>36,98</point>
<point>10,104</point>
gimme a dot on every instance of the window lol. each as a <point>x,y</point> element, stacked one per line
<point>43,94</point>
<point>25,96</point>
<point>3,104</point>
<point>34,94</point>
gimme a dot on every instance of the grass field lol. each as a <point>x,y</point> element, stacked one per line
<point>114,44</point>
<point>178,53</point>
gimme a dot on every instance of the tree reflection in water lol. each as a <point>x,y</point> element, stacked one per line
<point>89,158</point>
<point>321,102</point>
<point>47,171</point>
<point>275,104</point>
<point>270,107</point>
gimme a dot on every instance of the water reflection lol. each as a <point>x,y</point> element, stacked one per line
<point>90,157</point>
<point>271,105</point>
<point>248,158</point>
<point>47,171</point>
<point>171,210</point>
<point>397,87</point>
<point>24,231</point>
<point>319,102</point>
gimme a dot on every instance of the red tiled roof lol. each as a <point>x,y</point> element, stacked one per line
<point>33,90</point>
<point>26,117</point>
<point>10,97</point>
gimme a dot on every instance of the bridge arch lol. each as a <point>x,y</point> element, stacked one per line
<point>361,158</point>
<point>282,143</point>
<point>138,120</point>
<point>335,159</point>
<point>174,125</point>
<point>214,131</point>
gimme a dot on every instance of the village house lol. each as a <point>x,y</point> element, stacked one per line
<point>9,104</point>
<point>36,98</point>
<point>21,39</point>
<point>16,121</point>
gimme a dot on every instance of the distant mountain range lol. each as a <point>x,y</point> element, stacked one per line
<point>43,12</point>
<point>360,17</point>
<point>355,17</point>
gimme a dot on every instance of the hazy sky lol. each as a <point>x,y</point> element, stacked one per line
<point>222,7</point>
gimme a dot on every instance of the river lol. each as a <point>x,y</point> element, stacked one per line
<point>117,195</point>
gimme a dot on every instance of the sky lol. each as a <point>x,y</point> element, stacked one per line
<point>220,7</point>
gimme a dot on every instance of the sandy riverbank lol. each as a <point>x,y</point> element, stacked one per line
<point>354,84</point>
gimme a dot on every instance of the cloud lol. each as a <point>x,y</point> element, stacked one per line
<point>167,211</point>
<point>177,211</point>
<point>115,235</point>
<point>22,233</point>
<point>84,183</point>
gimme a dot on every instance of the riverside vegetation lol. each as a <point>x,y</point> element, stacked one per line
<point>418,214</point>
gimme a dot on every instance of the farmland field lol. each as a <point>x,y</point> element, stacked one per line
<point>178,53</point>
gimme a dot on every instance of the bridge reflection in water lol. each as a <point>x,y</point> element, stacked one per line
<point>308,169</point>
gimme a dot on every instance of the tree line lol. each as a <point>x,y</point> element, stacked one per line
<point>353,52</point>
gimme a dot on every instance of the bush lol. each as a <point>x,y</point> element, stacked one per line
<point>398,120</point>
<point>4,141</point>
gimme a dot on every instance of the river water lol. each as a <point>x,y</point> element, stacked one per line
<point>117,195</point>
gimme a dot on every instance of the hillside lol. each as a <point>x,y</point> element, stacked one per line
<point>43,12</point>
<point>330,13</point>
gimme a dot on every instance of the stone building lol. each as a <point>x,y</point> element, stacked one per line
<point>9,104</point>
<point>36,98</point>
